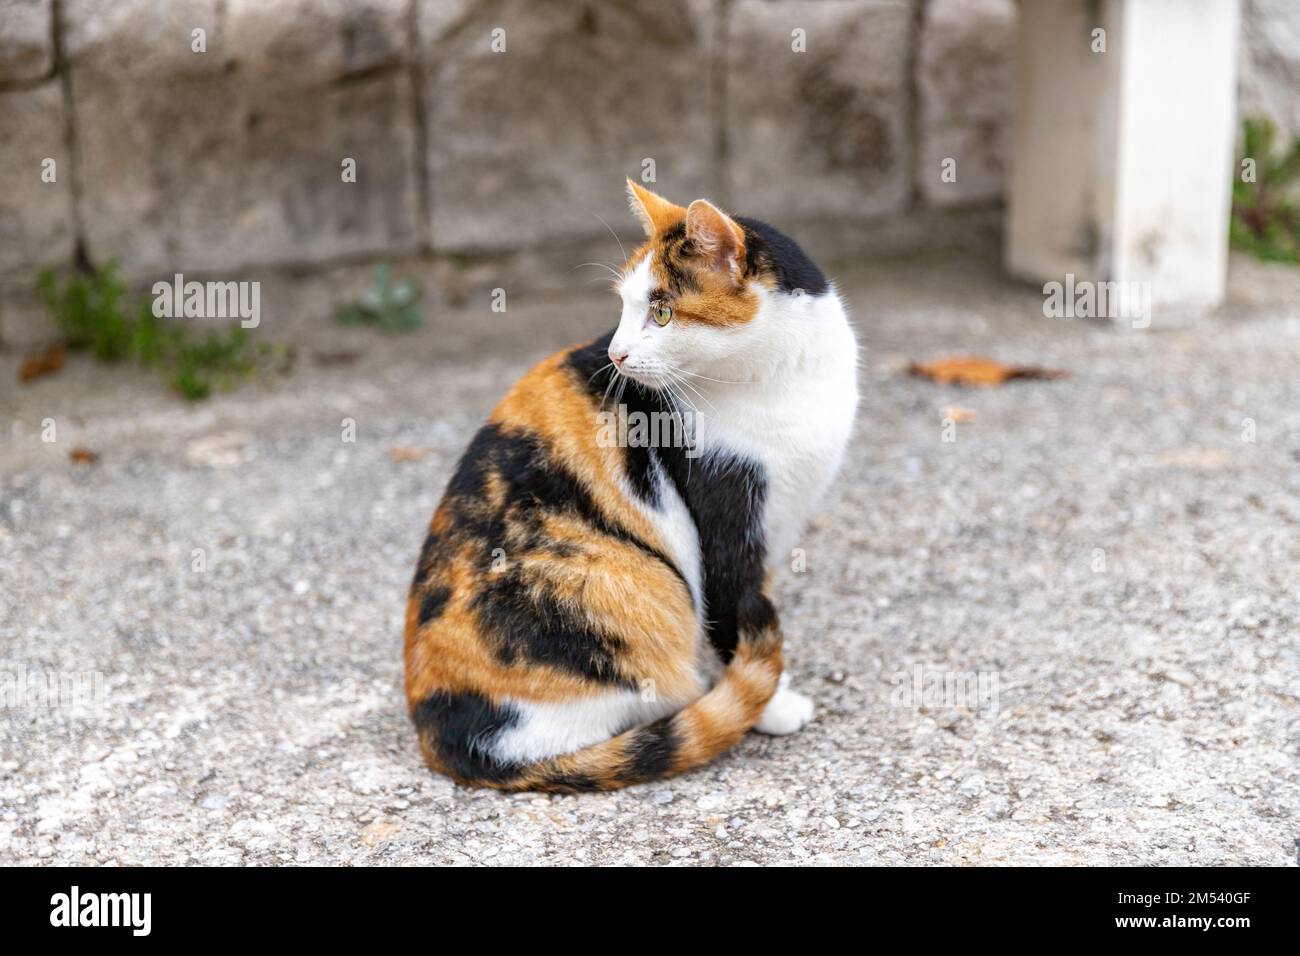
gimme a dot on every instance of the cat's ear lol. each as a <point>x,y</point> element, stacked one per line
<point>717,236</point>
<point>654,212</point>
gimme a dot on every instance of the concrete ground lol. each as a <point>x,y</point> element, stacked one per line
<point>1102,569</point>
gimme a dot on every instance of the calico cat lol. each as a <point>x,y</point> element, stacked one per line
<point>590,614</point>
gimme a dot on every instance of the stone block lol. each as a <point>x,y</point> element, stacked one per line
<point>208,161</point>
<point>530,142</point>
<point>965,78</point>
<point>26,40</point>
<point>823,132</point>
<point>36,224</point>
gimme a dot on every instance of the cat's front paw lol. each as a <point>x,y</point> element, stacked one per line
<point>785,713</point>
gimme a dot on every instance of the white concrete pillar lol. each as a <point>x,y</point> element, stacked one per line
<point>1122,154</point>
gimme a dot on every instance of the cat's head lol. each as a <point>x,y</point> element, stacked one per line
<point>708,294</point>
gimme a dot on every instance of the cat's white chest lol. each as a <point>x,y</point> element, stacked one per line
<point>799,447</point>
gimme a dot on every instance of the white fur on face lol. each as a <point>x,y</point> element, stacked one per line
<point>634,324</point>
<point>729,353</point>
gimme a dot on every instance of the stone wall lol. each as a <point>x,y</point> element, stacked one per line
<point>1270,63</point>
<point>471,156</point>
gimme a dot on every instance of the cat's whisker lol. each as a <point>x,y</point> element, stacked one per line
<point>615,275</point>
<point>621,378</point>
<point>614,377</point>
<point>594,265</point>
<point>607,365</point>
<point>669,382</point>
<point>614,234</point>
<point>676,375</point>
<point>672,403</point>
<point>675,393</point>
<point>670,392</point>
<point>720,381</point>
<point>675,390</point>
<point>704,398</point>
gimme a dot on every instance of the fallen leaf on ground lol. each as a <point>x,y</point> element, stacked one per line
<point>381,831</point>
<point>407,453</point>
<point>959,414</point>
<point>337,357</point>
<point>1196,459</point>
<point>222,450</point>
<point>39,364</point>
<point>978,372</point>
<point>83,456</point>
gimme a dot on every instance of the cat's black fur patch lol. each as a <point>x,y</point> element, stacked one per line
<point>725,498</point>
<point>768,246</point>
<point>460,729</point>
<point>652,749</point>
<point>535,482</point>
<point>676,249</point>
<point>428,555</point>
<point>536,629</point>
<point>573,782</point>
<point>432,603</point>
<point>640,473</point>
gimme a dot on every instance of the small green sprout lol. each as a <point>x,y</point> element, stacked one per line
<point>389,302</point>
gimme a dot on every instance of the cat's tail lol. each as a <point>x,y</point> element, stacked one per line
<point>686,740</point>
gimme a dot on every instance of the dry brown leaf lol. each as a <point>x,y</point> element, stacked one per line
<point>1196,459</point>
<point>407,453</point>
<point>336,357</point>
<point>959,414</point>
<point>381,831</point>
<point>976,371</point>
<point>82,456</point>
<point>220,450</point>
<point>39,364</point>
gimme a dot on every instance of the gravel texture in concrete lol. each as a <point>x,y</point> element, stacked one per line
<point>1068,635</point>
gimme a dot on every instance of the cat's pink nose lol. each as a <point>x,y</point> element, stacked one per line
<point>617,355</point>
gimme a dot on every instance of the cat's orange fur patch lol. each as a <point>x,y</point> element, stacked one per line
<point>686,272</point>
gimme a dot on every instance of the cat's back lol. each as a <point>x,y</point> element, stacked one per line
<point>541,589</point>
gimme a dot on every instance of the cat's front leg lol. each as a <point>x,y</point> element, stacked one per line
<point>787,711</point>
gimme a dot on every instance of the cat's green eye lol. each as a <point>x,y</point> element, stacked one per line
<point>663,314</point>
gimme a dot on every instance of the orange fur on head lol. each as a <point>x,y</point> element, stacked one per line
<point>655,213</point>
